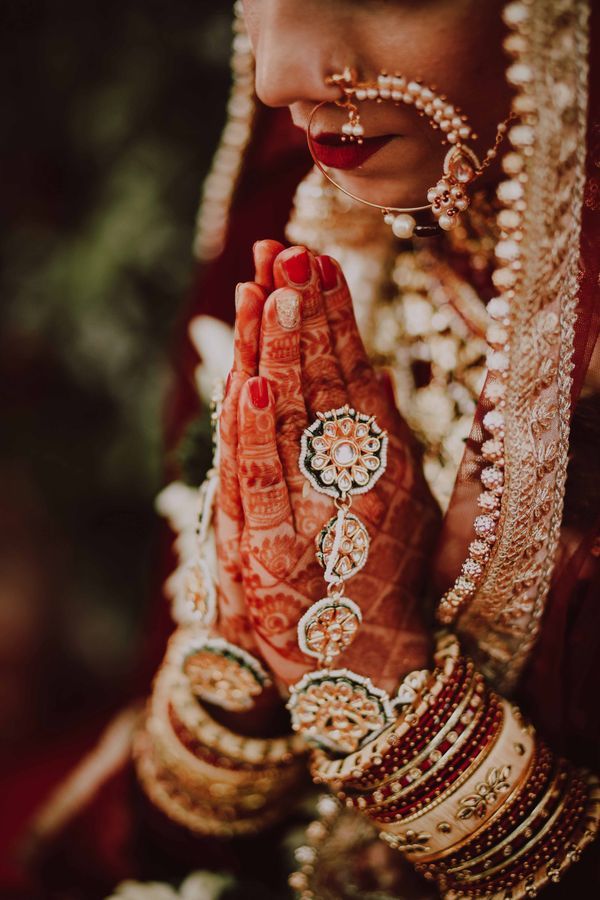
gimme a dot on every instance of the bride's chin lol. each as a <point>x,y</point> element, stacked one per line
<point>385,191</point>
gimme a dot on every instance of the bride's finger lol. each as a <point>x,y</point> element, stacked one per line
<point>322,381</point>
<point>263,488</point>
<point>249,302</point>
<point>264,253</point>
<point>234,623</point>
<point>280,363</point>
<point>363,388</point>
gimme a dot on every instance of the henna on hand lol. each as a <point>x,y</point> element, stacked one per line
<point>320,363</point>
<point>234,624</point>
<point>264,254</point>
<point>322,382</point>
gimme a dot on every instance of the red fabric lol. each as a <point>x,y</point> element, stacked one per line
<point>29,775</point>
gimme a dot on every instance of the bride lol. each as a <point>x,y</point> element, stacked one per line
<point>389,575</point>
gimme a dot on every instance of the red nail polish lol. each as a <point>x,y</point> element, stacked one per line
<point>297,267</point>
<point>328,272</point>
<point>259,392</point>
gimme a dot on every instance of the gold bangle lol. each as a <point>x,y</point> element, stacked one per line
<point>549,794</point>
<point>172,683</point>
<point>198,820</point>
<point>462,779</point>
<point>174,753</point>
<point>511,798</point>
<point>248,751</point>
<point>473,685</point>
<point>327,770</point>
<point>242,796</point>
<point>508,755</point>
<point>536,839</point>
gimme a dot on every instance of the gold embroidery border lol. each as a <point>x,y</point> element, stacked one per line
<point>550,71</point>
<point>219,185</point>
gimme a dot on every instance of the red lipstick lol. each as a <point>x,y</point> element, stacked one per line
<point>330,151</point>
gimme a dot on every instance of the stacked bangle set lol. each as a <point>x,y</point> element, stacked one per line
<point>197,772</point>
<point>201,774</point>
<point>462,786</point>
<point>448,772</point>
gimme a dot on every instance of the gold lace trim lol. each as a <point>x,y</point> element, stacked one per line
<point>549,43</point>
<point>219,186</point>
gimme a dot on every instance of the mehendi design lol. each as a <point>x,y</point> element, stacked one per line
<point>282,515</point>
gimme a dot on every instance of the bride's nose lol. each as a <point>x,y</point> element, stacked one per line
<point>296,48</point>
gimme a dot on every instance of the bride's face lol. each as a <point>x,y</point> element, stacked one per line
<point>454,46</point>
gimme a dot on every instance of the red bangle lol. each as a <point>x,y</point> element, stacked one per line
<point>426,793</point>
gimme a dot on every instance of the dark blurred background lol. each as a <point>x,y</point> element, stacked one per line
<point>110,116</point>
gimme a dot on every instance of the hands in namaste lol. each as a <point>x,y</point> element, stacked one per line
<point>298,352</point>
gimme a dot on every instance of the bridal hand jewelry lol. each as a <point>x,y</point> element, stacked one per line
<point>448,198</point>
<point>343,453</point>
<point>195,602</point>
<point>216,670</point>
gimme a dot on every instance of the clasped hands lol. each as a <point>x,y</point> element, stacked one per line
<point>298,351</point>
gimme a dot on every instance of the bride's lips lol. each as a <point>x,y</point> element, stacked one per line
<point>330,151</point>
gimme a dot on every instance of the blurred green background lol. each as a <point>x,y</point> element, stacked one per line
<point>111,115</point>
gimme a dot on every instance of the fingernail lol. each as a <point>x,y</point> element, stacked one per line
<point>237,296</point>
<point>297,267</point>
<point>227,384</point>
<point>259,392</point>
<point>287,307</point>
<point>328,273</point>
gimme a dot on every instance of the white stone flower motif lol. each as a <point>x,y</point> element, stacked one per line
<point>196,597</point>
<point>222,673</point>
<point>339,709</point>
<point>343,452</point>
<point>348,539</point>
<point>191,586</point>
<point>410,687</point>
<point>329,627</point>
